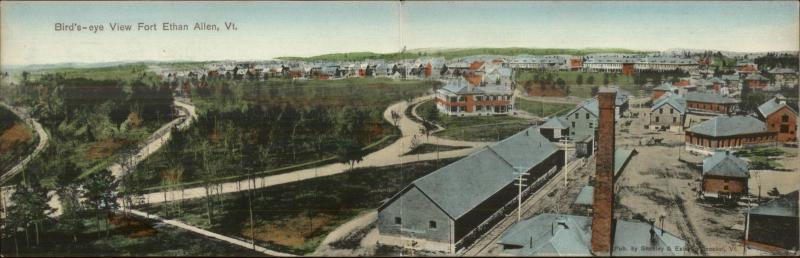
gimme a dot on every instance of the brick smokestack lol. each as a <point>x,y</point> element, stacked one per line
<point>603,206</point>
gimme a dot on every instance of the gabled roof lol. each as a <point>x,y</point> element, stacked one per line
<point>664,87</point>
<point>729,126</point>
<point>568,235</point>
<point>756,76</point>
<point>707,97</point>
<point>725,164</point>
<point>621,157</point>
<point>555,123</point>
<point>772,105</point>
<point>785,206</point>
<point>676,101</point>
<point>586,196</point>
<point>592,106</point>
<point>463,185</point>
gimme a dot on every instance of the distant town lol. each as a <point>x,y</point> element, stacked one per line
<point>620,154</point>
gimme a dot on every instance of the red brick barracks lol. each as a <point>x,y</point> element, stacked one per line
<point>710,102</point>
<point>728,132</point>
<point>459,98</point>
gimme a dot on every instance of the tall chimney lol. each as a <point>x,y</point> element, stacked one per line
<point>603,206</point>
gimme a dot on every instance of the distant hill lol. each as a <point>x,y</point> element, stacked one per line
<point>460,52</point>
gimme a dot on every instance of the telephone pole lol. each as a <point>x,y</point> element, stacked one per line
<point>520,182</point>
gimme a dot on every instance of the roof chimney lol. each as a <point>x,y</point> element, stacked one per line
<point>603,206</point>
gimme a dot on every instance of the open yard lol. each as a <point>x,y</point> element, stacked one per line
<point>295,217</point>
<point>543,109</point>
<point>475,128</point>
<point>577,83</point>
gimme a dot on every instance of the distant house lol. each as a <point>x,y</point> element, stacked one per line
<point>785,77</point>
<point>780,118</point>
<point>724,176</point>
<point>710,102</point>
<point>460,98</point>
<point>555,128</point>
<point>756,81</point>
<point>583,119</point>
<point>668,112</point>
<point>726,133</point>
<point>717,85</point>
<point>662,89</point>
<point>775,223</point>
<point>452,206</point>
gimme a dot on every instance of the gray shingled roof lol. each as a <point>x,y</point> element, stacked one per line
<point>590,105</point>
<point>785,206</point>
<point>461,186</point>
<point>545,234</point>
<point>707,97</point>
<point>586,196</point>
<point>771,106</point>
<point>725,164</point>
<point>674,100</point>
<point>621,157</point>
<point>555,123</point>
<point>729,126</point>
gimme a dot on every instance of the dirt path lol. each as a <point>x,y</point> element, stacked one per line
<point>43,139</point>
<point>390,155</point>
<point>342,231</point>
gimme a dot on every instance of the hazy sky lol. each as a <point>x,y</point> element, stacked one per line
<point>271,29</point>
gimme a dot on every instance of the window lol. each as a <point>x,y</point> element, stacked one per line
<point>784,128</point>
<point>432,224</point>
<point>671,111</point>
<point>785,119</point>
<point>725,188</point>
<point>398,220</point>
<point>576,117</point>
<point>661,111</point>
<point>573,124</point>
<point>453,109</point>
<point>587,115</point>
<point>656,119</point>
<point>591,125</point>
<point>674,119</point>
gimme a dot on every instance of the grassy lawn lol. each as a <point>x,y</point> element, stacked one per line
<point>542,109</point>
<point>430,148</point>
<point>295,217</point>
<point>127,237</point>
<point>582,90</point>
<point>762,157</point>
<point>476,128</point>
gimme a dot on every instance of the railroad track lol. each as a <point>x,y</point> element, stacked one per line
<point>490,238</point>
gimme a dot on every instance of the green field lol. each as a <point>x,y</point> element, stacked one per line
<point>583,90</point>
<point>459,53</point>
<point>475,128</point>
<point>295,217</point>
<point>542,109</point>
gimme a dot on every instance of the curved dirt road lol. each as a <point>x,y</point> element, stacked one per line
<point>390,155</point>
<point>43,139</point>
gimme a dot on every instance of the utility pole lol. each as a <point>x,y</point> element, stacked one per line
<point>565,141</point>
<point>520,182</point>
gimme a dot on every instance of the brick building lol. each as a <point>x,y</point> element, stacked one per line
<point>710,102</point>
<point>726,133</point>
<point>460,98</point>
<point>756,81</point>
<point>780,117</point>
<point>724,177</point>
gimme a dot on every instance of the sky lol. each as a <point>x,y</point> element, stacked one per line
<point>270,29</point>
